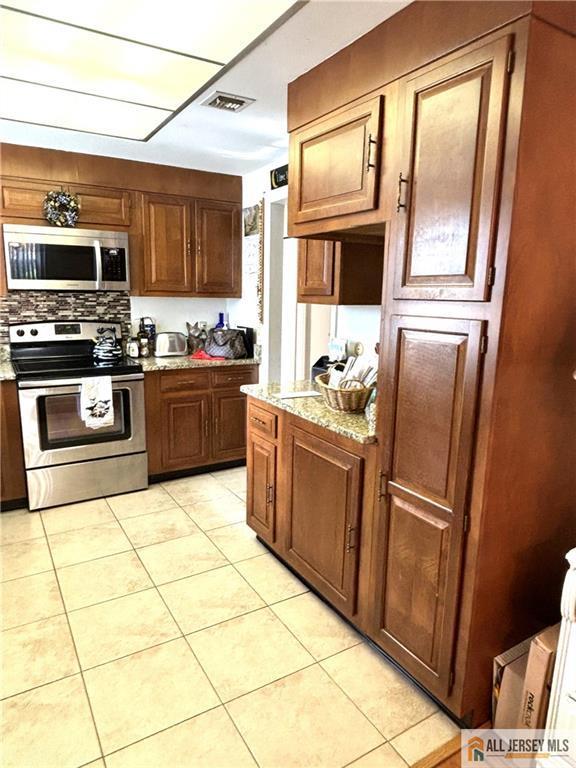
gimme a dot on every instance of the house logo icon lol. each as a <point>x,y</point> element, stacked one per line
<point>475,749</point>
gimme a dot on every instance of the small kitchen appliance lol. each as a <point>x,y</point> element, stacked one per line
<point>65,459</point>
<point>44,258</point>
<point>170,343</point>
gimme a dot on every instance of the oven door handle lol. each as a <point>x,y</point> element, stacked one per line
<point>44,383</point>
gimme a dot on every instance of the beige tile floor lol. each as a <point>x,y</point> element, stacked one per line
<point>153,630</point>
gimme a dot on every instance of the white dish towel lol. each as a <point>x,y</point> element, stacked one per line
<point>96,404</point>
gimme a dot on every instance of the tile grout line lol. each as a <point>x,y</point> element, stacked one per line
<point>81,672</point>
<point>212,686</point>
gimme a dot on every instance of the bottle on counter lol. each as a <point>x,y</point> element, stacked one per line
<point>144,346</point>
<point>221,322</point>
<point>132,347</point>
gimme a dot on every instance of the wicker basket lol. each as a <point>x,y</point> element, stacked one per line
<point>343,398</point>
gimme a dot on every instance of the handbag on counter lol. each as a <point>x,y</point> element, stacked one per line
<point>225,342</point>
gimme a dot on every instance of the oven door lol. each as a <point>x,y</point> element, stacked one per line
<point>53,431</point>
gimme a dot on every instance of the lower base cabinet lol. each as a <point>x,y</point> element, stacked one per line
<point>323,515</point>
<point>310,500</point>
<point>12,472</point>
<point>196,417</point>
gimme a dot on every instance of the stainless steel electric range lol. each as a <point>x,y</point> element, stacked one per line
<point>66,460</point>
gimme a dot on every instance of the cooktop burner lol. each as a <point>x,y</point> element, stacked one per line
<point>73,366</point>
<point>64,350</point>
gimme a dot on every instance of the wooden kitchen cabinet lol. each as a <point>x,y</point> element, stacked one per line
<point>168,265</point>
<point>430,392</point>
<point>444,230</point>
<point>99,206</point>
<point>349,143</point>
<point>185,430</point>
<point>191,247</point>
<point>196,417</point>
<point>228,425</point>
<point>310,498</point>
<point>331,272</point>
<point>218,249</point>
<point>12,471</point>
<point>261,490</point>
<point>323,516</point>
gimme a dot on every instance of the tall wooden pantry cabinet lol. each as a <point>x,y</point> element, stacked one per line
<point>476,200</point>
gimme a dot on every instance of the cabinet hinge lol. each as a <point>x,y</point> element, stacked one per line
<point>510,62</point>
<point>466,523</point>
<point>383,482</point>
<point>491,276</point>
<point>451,679</point>
<point>483,344</point>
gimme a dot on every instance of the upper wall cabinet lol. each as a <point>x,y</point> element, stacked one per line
<point>339,272</point>
<point>444,229</point>
<point>334,164</point>
<point>167,244</point>
<point>218,253</point>
<point>98,205</point>
<point>191,247</point>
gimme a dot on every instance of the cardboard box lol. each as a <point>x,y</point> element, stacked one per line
<point>538,678</point>
<point>508,684</point>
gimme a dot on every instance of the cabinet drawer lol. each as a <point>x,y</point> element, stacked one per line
<point>230,377</point>
<point>181,381</point>
<point>262,421</point>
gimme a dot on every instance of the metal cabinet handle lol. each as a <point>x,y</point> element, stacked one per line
<point>269,494</point>
<point>257,420</point>
<point>370,160</point>
<point>350,536</point>
<point>399,204</point>
<point>188,248</point>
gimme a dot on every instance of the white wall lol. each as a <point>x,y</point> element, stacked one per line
<point>359,324</point>
<point>171,312</point>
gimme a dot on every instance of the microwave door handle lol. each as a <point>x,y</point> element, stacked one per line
<point>98,257</point>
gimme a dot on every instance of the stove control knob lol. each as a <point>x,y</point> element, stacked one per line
<point>19,332</point>
<point>34,332</point>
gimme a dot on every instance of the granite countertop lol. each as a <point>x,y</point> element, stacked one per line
<point>6,370</point>
<point>184,361</point>
<point>353,425</point>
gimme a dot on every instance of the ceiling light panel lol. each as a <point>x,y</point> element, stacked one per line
<point>213,29</point>
<point>51,53</point>
<point>63,109</point>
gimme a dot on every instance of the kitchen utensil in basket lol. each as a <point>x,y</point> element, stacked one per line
<point>351,395</point>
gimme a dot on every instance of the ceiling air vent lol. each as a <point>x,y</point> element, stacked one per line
<point>227,101</point>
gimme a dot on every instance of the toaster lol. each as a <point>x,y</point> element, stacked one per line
<point>170,343</point>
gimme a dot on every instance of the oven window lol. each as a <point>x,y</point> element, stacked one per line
<point>36,261</point>
<point>61,425</point>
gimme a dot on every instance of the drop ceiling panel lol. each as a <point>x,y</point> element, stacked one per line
<point>52,107</point>
<point>212,29</point>
<point>50,53</point>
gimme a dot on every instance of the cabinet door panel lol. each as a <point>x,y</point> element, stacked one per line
<point>433,373</point>
<point>325,496</point>
<point>229,422</point>
<point>12,472</point>
<point>218,256</point>
<point>185,431</point>
<point>168,264</point>
<point>25,199</point>
<point>453,133</point>
<point>335,164</point>
<point>261,496</point>
<point>315,268</point>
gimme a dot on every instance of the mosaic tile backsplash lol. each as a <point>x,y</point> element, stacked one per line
<point>44,306</point>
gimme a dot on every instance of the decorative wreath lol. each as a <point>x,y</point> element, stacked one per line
<point>61,209</point>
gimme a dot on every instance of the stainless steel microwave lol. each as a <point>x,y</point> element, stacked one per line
<point>44,258</point>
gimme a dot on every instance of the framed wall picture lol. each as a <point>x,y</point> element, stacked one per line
<point>251,217</point>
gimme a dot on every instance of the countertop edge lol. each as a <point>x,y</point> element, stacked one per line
<point>255,391</point>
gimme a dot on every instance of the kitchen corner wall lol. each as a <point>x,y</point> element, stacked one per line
<point>171,313</point>
<point>30,306</point>
<point>359,324</point>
